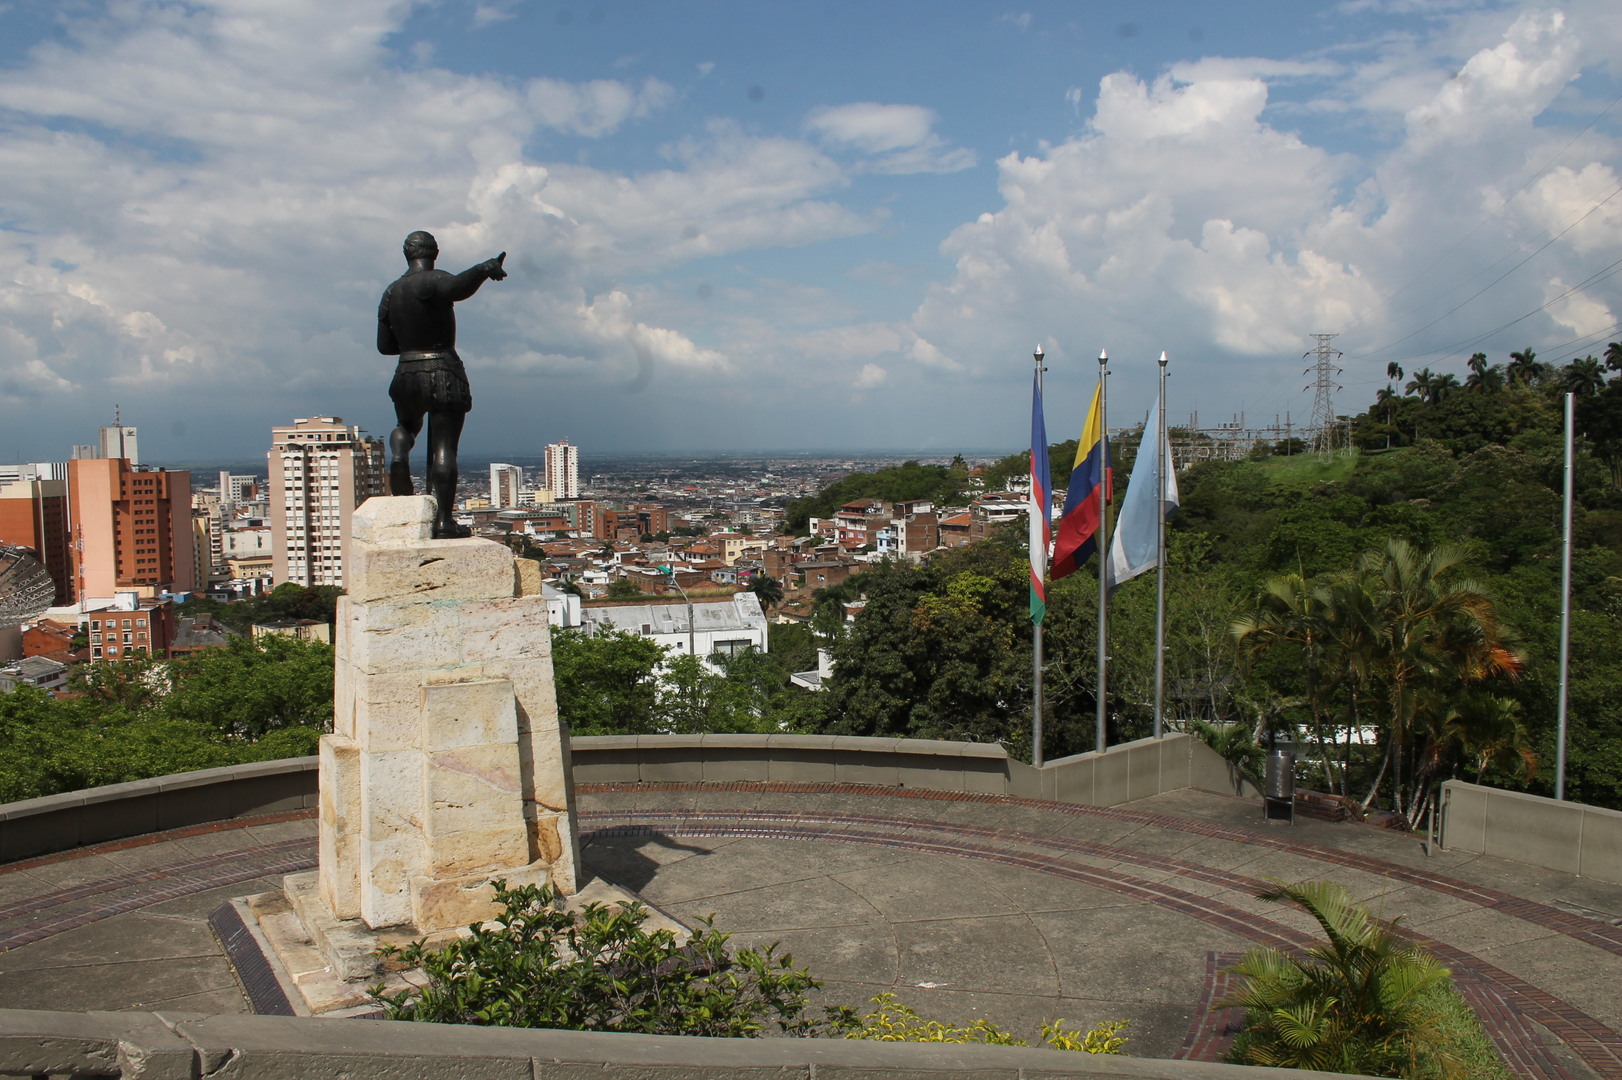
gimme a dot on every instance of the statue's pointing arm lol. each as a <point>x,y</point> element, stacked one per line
<point>463,285</point>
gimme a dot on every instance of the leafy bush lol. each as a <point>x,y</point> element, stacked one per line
<point>1367,1002</point>
<point>893,1021</point>
<point>538,965</point>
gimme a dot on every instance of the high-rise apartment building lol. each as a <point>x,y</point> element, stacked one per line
<point>130,530</point>
<point>506,481</point>
<point>320,470</point>
<point>563,470</point>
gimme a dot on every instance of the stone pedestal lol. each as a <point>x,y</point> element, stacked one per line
<point>446,767</point>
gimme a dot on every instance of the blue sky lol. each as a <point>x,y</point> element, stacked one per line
<point>739,226</point>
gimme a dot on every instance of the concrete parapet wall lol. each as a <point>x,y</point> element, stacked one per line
<point>76,818</point>
<point>181,1046</point>
<point>1565,836</point>
<point>1123,773</point>
<point>805,759</point>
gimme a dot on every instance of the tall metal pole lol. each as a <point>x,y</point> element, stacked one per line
<point>1036,628</point>
<point>1103,549</point>
<point>1565,611</point>
<point>1160,553</point>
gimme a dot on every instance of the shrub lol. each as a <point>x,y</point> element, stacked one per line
<point>893,1021</point>
<point>1367,1002</point>
<point>538,965</point>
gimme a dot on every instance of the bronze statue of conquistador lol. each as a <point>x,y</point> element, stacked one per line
<point>417,323</point>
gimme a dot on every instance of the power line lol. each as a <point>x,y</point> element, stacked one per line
<point>1534,254</point>
<point>1547,165</point>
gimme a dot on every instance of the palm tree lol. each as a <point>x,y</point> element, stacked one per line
<point>1292,614</point>
<point>1393,372</point>
<point>1435,637</point>
<point>768,590</point>
<point>1613,356</point>
<point>1585,377</point>
<point>1524,369</point>
<point>1483,376</point>
<point>1361,1003</point>
<point>1430,386</point>
<point>1421,382</point>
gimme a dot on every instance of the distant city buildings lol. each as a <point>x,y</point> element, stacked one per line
<point>563,470</point>
<point>236,489</point>
<point>506,485</point>
<point>320,470</point>
<point>118,444</point>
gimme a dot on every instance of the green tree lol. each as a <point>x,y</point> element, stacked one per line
<point>253,686</point>
<point>1524,368</point>
<point>1584,377</point>
<point>768,589</point>
<point>624,589</point>
<point>607,683</point>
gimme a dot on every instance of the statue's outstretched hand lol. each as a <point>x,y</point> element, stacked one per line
<point>493,268</point>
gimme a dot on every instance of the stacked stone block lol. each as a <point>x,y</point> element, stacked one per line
<point>447,766</point>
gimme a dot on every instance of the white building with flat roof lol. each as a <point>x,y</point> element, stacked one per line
<point>726,626</point>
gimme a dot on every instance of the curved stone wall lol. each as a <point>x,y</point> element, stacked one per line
<point>1123,773</point>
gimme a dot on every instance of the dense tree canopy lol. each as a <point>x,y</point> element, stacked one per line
<point>254,701</point>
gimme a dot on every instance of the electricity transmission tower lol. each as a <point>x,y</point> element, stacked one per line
<point>1327,435</point>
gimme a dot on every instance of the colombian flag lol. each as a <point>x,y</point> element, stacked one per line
<point>1041,504</point>
<point>1078,529</point>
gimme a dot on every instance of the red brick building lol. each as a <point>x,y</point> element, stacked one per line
<point>146,628</point>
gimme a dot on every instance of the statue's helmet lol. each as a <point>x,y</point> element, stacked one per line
<point>421,245</point>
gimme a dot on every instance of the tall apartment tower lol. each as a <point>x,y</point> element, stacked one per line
<point>506,481</point>
<point>320,470</point>
<point>563,470</point>
<point>130,530</point>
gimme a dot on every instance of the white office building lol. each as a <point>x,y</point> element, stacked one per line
<point>506,483</point>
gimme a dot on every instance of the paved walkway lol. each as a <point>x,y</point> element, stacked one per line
<point>965,906</point>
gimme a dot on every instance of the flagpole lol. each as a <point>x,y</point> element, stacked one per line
<point>1103,547</point>
<point>1160,552</point>
<point>1040,563</point>
<point>1565,615</point>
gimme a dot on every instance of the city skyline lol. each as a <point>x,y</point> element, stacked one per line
<point>790,228</point>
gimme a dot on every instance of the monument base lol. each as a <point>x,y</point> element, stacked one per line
<point>326,966</point>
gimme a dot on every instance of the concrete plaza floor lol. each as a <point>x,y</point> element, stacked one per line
<point>965,906</point>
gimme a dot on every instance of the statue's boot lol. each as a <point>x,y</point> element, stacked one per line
<point>400,479</point>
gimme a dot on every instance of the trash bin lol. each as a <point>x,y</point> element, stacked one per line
<point>1278,798</point>
<point>1281,772</point>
